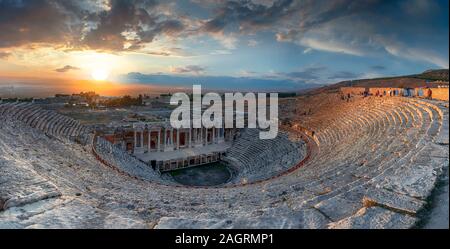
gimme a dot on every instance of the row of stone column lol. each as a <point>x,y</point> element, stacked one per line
<point>193,137</point>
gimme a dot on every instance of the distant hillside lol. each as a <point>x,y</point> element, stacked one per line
<point>416,80</point>
<point>441,74</point>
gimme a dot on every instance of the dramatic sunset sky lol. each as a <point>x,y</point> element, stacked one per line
<point>110,46</point>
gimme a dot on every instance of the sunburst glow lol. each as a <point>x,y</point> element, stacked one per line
<point>100,74</point>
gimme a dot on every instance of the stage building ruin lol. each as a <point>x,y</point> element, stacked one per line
<point>166,148</point>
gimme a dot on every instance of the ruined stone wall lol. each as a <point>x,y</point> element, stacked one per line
<point>353,90</point>
<point>440,93</point>
<point>436,93</point>
<point>382,90</point>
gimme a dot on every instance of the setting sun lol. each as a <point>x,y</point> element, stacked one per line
<point>206,115</point>
<point>100,74</point>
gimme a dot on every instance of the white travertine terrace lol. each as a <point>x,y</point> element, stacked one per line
<point>371,163</point>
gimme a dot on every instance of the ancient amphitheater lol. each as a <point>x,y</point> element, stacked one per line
<point>368,162</point>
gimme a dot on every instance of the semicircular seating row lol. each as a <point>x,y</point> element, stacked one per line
<point>50,122</point>
<point>124,162</point>
<point>380,155</point>
<point>255,159</point>
<point>381,149</point>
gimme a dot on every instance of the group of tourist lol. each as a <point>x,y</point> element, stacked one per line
<point>390,93</point>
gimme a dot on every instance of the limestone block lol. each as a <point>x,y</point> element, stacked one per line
<point>342,205</point>
<point>394,201</point>
<point>411,179</point>
<point>442,136</point>
<point>375,218</point>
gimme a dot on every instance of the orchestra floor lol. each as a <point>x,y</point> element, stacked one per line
<point>212,174</point>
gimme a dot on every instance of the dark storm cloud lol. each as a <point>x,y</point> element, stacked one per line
<point>170,28</point>
<point>66,69</point>
<point>36,21</point>
<point>358,28</point>
<point>297,16</point>
<point>123,16</point>
<point>247,14</point>
<point>119,25</point>
<point>134,18</point>
<point>314,13</point>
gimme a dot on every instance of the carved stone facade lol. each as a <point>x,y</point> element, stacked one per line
<point>144,139</point>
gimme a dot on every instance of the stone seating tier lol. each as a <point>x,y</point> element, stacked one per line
<point>374,165</point>
<point>50,122</point>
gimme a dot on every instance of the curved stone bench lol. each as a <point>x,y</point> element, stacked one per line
<point>372,163</point>
<point>47,121</point>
